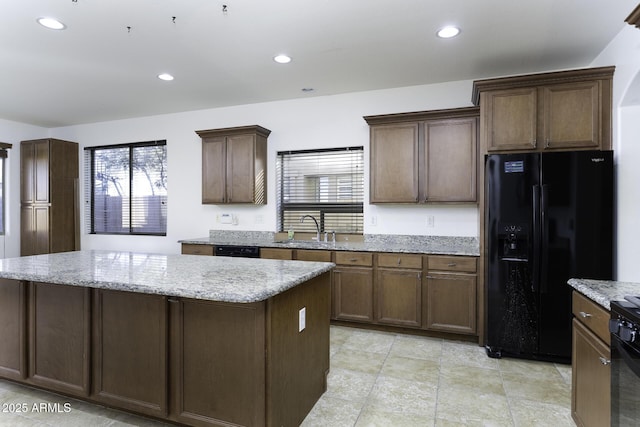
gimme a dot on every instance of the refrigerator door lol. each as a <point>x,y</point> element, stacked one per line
<point>512,214</point>
<point>576,236</point>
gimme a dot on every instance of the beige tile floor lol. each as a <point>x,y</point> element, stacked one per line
<point>382,379</point>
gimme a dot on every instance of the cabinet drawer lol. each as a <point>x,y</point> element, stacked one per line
<point>313,255</point>
<point>354,258</point>
<point>276,253</point>
<point>452,263</point>
<point>193,249</point>
<point>400,261</point>
<point>592,316</point>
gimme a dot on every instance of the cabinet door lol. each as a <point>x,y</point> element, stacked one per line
<point>59,335</point>
<point>399,297</point>
<point>130,351</point>
<point>571,115</point>
<point>510,119</point>
<point>353,294</point>
<point>591,379</point>
<point>34,230</point>
<point>34,171</point>
<point>13,324</point>
<point>218,371</point>
<point>451,303</point>
<point>450,160</point>
<point>240,169</point>
<point>394,163</point>
<point>214,157</point>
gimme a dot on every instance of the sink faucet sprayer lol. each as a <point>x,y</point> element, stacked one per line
<point>317,225</point>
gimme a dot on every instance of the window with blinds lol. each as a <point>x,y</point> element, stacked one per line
<point>3,156</point>
<point>328,184</point>
<point>126,188</point>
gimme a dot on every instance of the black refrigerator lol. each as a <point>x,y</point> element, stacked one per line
<point>549,217</point>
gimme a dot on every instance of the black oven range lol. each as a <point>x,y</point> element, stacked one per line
<point>625,362</point>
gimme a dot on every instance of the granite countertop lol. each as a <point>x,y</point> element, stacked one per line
<point>237,280</point>
<point>604,291</point>
<point>435,245</point>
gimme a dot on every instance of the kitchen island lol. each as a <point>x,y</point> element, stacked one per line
<point>194,340</point>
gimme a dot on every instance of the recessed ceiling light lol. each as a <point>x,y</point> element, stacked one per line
<point>51,23</point>
<point>282,59</point>
<point>165,76</point>
<point>448,32</point>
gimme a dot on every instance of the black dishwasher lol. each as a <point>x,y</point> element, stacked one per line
<point>237,251</point>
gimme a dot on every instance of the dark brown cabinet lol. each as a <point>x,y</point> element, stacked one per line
<point>13,329</point>
<point>352,287</point>
<point>450,302</point>
<point>59,337</point>
<point>218,373</point>
<point>565,110</point>
<point>48,195</point>
<point>130,347</point>
<point>590,364</point>
<point>398,290</point>
<point>424,157</point>
<point>234,165</point>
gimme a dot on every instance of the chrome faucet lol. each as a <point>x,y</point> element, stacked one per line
<point>317,225</point>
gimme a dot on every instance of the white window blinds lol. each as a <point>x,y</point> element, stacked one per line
<point>127,188</point>
<point>328,184</point>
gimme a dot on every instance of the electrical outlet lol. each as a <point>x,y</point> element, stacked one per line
<point>431,221</point>
<point>302,319</point>
<point>374,220</point>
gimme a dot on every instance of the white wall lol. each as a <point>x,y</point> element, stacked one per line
<point>624,53</point>
<point>330,121</point>
<point>13,133</point>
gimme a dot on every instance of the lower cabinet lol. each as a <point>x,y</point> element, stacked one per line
<point>450,303</point>
<point>590,364</point>
<point>398,290</point>
<point>276,253</point>
<point>59,337</point>
<point>130,351</point>
<point>217,372</point>
<point>13,329</point>
<point>353,294</point>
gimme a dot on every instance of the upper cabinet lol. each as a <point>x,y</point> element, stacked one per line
<point>424,157</point>
<point>634,17</point>
<point>234,165</point>
<point>564,110</point>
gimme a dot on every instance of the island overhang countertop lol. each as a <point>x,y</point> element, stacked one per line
<point>224,279</point>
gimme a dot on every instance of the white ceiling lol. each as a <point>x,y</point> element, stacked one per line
<point>98,70</point>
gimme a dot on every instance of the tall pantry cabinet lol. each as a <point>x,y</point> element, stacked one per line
<point>48,196</point>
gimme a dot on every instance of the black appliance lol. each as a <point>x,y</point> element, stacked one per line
<point>625,362</point>
<point>549,217</point>
<point>237,251</point>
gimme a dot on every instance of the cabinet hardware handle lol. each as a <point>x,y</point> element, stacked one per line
<point>399,261</point>
<point>546,144</point>
<point>353,260</point>
<point>172,300</point>
<point>451,264</point>
<point>535,143</point>
<point>585,315</point>
<point>604,361</point>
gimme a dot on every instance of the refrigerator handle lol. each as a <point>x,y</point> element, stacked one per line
<point>544,239</point>
<point>535,256</point>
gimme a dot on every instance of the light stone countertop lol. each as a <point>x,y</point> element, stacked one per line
<point>236,280</point>
<point>605,291</point>
<point>429,245</point>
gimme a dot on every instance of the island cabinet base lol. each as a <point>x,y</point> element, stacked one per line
<point>193,362</point>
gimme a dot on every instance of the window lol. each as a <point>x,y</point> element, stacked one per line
<point>328,184</point>
<point>126,188</point>
<point>3,156</point>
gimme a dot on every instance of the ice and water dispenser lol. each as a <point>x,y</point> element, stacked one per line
<point>513,242</point>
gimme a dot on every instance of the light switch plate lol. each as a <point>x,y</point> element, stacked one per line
<point>302,319</point>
